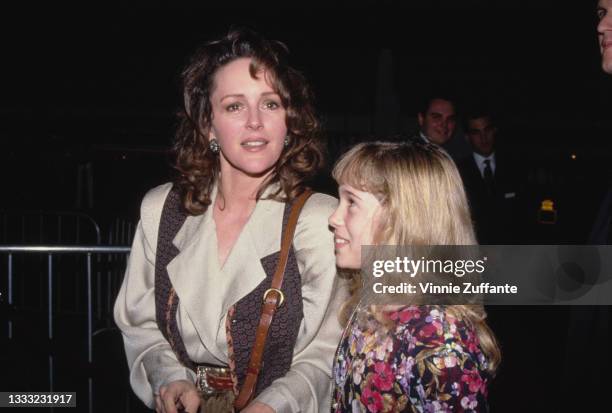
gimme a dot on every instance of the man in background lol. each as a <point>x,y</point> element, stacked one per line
<point>601,232</point>
<point>437,119</point>
<point>604,32</point>
<point>491,183</point>
<point>589,326</point>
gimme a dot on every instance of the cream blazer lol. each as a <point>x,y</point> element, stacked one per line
<point>207,291</point>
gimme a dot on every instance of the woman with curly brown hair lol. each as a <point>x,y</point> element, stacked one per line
<point>204,316</point>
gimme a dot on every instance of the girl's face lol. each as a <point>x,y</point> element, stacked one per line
<point>248,120</point>
<point>355,222</point>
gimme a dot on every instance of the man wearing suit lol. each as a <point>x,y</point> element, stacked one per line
<point>490,183</point>
<point>601,232</point>
<point>589,326</point>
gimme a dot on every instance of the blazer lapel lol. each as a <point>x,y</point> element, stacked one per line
<point>189,275</point>
<point>206,292</point>
<point>259,238</point>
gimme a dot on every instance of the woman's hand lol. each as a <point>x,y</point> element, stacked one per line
<point>180,394</point>
<point>257,407</point>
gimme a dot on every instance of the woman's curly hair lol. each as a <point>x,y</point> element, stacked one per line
<point>197,166</point>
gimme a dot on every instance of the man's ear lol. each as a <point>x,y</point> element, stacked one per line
<point>420,119</point>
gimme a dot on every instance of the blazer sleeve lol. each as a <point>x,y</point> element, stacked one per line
<point>307,385</point>
<point>151,361</point>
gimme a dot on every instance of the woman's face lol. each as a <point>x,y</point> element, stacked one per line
<point>248,120</point>
<point>354,222</point>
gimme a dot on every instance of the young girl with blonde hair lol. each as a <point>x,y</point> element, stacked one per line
<point>412,357</point>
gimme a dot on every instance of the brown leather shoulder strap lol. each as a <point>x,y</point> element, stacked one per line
<point>273,298</point>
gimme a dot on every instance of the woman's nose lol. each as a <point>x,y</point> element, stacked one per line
<point>254,120</point>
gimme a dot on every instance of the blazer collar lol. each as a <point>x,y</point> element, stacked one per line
<point>192,230</point>
<point>207,291</point>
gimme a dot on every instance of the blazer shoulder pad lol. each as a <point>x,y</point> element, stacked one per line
<point>151,208</point>
<point>320,204</point>
<point>318,208</point>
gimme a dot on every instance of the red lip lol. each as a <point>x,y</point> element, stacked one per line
<point>254,139</point>
<point>254,145</point>
<point>606,44</point>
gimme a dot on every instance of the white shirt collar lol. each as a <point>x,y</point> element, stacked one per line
<point>480,162</point>
<point>424,137</point>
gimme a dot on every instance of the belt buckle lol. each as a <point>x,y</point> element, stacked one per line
<point>202,374</point>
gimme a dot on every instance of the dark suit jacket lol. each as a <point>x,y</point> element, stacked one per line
<point>496,215</point>
<point>600,233</point>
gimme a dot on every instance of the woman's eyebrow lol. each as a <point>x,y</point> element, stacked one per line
<point>241,95</point>
<point>234,95</point>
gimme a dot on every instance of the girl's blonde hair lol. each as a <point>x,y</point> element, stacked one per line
<point>424,201</point>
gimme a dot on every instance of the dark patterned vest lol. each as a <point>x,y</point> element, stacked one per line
<point>284,329</point>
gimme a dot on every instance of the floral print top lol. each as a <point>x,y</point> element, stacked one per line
<point>426,360</point>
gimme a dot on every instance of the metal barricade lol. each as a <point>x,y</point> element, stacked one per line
<point>94,260</point>
<point>51,253</point>
<point>48,227</point>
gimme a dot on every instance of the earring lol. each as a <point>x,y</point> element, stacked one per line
<point>213,144</point>
<point>286,141</point>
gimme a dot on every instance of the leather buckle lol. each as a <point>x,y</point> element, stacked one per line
<point>280,294</point>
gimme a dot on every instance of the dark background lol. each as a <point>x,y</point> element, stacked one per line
<point>101,86</point>
<point>92,94</point>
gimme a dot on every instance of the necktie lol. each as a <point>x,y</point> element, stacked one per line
<point>488,176</point>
